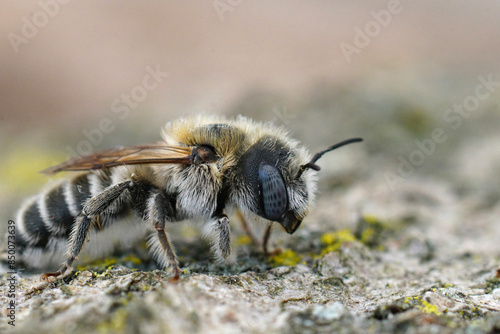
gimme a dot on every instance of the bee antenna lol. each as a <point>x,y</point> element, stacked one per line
<point>312,164</point>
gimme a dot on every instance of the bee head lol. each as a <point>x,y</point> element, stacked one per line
<point>266,187</point>
<point>273,185</point>
<point>274,202</point>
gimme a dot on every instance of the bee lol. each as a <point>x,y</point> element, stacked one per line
<point>203,166</point>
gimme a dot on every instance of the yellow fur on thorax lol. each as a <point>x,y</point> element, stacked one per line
<point>241,134</point>
<point>244,132</point>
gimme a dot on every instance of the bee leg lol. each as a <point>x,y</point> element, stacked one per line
<point>247,229</point>
<point>217,231</point>
<point>84,224</point>
<point>265,241</point>
<point>224,237</point>
<point>92,209</point>
<point>159,212</point>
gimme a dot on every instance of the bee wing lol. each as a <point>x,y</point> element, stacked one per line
<point>144,154</point>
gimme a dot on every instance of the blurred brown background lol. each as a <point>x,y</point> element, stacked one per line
<point>77,77</point>
<point>64,65</point>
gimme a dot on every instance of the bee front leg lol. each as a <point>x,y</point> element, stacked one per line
<point>265,241</point>
<point>92,209</point>
<point>247,229</point>
<point>253,238</point>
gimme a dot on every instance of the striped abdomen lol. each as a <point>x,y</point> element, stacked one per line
<point>46,220</point>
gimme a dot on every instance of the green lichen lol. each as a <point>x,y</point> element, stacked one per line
<point>274,289</point>
<point>330,283</point>
<point>66,290</point>
<point>372,231</point>
<point>232,280</point>
<point>471,313</point>
<point>492,284</point>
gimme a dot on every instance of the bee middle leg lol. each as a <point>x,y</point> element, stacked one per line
<point>91,211</point>
<point>224,236</point>
<point>253,238</point>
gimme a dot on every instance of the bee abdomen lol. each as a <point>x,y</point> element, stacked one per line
<point>77,192</point>
<point>55,213</point>
<point>52,214</point>
<point>31,225</point>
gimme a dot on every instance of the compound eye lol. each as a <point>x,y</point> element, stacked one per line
<point>274,196</point>
<point>204,154</point>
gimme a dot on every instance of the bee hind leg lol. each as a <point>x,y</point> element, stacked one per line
<point>92,209</point>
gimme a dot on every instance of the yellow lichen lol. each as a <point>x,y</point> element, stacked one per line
<point>333,240</point>
<point>285,258</point>
<point>422,305</point>
<point>243,240</point>
<point>410,299</point>
<point>367,235</point>
<point>372,231</point>
<point>327,238</point>
<point>133,259</point>
<point>115,324</point>
<point>99,263</point>
<point>371,219</point>
<point>427,307</point>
